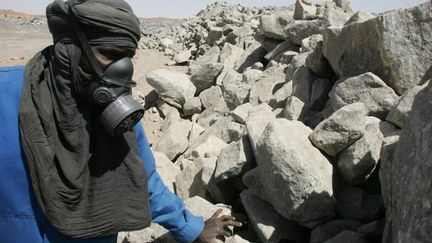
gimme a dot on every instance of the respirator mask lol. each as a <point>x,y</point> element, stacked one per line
<point>112,89</point>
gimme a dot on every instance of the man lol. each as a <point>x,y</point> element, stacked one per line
<point>75,166</point>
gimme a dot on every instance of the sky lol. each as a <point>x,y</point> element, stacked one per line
<point>187,8</point>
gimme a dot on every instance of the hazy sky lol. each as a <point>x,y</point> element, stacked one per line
<point>185,8</point>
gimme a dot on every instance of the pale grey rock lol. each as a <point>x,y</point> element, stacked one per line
<point>173,87</point>
<point>166,43</point>
<point>287,57</point>
<point>195,132</point>
<point>341,129</point>
<point>236,239</point>
<point>278,100</point>
<point>367,88</point>
<point>267,223</point>
<point>401,61</point>
<point>305,10</point>
<point>258,66</point>
<point>212,98</point>
<point>273,25</point>
<point>188,182</point>
<point>296,62</point>
<point>153,233</point>
<point>175,140</point>
<point>182,57</point>
<point>407,217</point>
<point>296,162</point>
<point>201,207</point>
<point>230,55</point>
<point>399,114</point>
<point>344,5</point>
<point>234,90</point>
<point>262,90</point>
<point>331,229</point>
<point>303,80</point>
<point>241,113</point>
<point>253,54</point>
<point>252,181</point>
<point>301,29</point>
<point>192,106</point>
<point>347,236</point>
<point>385,174</point>
<point>257,121</point>
<point>166,169</point>
<point>208,117</point>
<point>360,16</point>
<point>236,131</point>
<point>317,63</point>
<point>250,76</point>
<point>234,160</point>
<point>334,15</point>
<point>294,109</point>
<point>210,56</point>
<point>204,76</point>
<point>357,162</point>
<point>310,43</point>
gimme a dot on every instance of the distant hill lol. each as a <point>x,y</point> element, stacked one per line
<point>11,13</point>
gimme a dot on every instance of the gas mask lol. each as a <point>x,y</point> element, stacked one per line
<point>112,88</point>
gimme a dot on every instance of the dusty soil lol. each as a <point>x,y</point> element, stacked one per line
<point>19,43</point>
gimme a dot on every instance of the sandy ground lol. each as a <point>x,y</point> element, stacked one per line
<point>19,43</point>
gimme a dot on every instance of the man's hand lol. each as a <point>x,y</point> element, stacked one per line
<point>216,227</point>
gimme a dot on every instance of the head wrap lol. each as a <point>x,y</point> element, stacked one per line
<point>86,182</point>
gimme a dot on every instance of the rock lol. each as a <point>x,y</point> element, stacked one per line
<point>357,162</point>
<point>387,153</point>
<point>204,76</point>
<point>317,63</point>
<point>303,80</point>
<point>230,55</point>
<point>236,239</point>
<point>347,236</point>
<point>211,56</point>
<point>301,29</point>
<point>153,233</point>
<point>253,54</point>
<point>234,90</point>
<point>241,113</point>
<point>341,129</point>
<point>250,76</point>
<point>372,231</point>
<point>166,43</point>
<point>167,170</point>
<point>305,10</point>
<point>175,140</point>
<point>188,182</point>
<point>267,223</point>
<point>258,66</point>
<point>401,61</point>
<point>277,52</point>
<point>285,161</point>
<point>262,91</point>
<point>408,215</point>
<point>273,25</point>
<point>399,114</point>
<point>294,109</point>
<point>310,43</point>
<point>212,98</point>
<point>296,62</point>
<point>367,88</point>
<point>182,57</point>
<point>173,87</point>
<point>196,131</point>
<point>319,94</point>
<point>287,57</point>
<point>234,160</point>
<point>257,121</point>
<point>360,16</point>
<point>208,117</point>
<point>333,14</point>
<point>214,35</point>
<point>236,131</point>
<point>252,181</point>
<point>353,203</point>
<point>278,100</point>
<point>192,106</point>
<point>331,229</point>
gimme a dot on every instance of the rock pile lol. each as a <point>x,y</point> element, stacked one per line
<point>293,116</point>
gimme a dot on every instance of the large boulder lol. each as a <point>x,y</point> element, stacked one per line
<point>257,121</point>
<point>234,90</point>
<point>262,91</point>
<point>296,176</point>
<point>341,129</point>
<point>273,25</point>
<point>173,87</point>
<point>175,140</point>
<point>408,215</point>
<point>329,230</point>
<point>166,169</point>
<point>367,88</point>
<point>395,46</point>
<point>204,76</point>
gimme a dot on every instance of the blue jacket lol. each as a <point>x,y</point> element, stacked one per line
<point>21,220</point>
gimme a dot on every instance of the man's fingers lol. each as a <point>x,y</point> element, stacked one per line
<point>231,222</point>
<point>227,232</point>
<point>216,214</point>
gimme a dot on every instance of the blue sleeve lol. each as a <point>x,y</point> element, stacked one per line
<point>167,208</point>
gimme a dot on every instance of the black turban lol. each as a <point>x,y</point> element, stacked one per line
<point>86,182</point>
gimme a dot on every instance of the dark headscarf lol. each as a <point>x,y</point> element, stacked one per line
<point>86,182</point>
